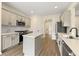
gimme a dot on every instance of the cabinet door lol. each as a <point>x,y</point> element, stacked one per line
<point>19,18</point>
<point>15,39</point>
<point>12,40</point>
<point>13,19</point>
<point>27,22</point>
<point>3,42</point>
<point>6,42</point>
<point>5,17</point>
<point>67,18</point>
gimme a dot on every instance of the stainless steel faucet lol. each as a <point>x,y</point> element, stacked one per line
<point>76,31</point>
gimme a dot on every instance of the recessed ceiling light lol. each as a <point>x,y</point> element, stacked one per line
<point>56,7</point>
<point>31,11</point>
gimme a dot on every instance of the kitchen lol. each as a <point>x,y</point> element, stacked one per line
<point>25,24</point>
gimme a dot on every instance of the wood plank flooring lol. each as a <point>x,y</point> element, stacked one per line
<point>50,47</point>
<point>15,51</point>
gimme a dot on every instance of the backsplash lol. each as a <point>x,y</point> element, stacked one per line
<point>5,28</point>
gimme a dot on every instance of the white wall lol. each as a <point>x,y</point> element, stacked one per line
<point>54,19</point>
<point>37,23</point>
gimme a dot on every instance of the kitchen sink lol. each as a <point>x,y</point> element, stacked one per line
<point>70,37</point>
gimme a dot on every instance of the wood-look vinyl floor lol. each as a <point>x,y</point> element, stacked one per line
<point>15,51</point>
<point>50,47</point>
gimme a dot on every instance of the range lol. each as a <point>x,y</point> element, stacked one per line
<point>22,32</point>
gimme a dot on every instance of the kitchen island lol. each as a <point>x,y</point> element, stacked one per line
<point>32,44</point>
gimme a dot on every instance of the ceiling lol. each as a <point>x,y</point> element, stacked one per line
<point>39,8</point>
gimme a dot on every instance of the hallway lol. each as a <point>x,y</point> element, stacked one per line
<point>50,47</point>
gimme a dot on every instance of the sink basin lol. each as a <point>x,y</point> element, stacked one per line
<point>69,37</point>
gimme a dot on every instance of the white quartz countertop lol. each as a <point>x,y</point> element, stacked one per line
<point>72,43</point>
<point>8,33</point>
<point>34,35</point>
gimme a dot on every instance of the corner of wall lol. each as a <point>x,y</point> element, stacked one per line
<point>0,27</point>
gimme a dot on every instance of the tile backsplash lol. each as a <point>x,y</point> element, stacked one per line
<point>5,28</point>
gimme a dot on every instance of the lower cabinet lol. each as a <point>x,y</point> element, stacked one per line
<point>38,44</point>
<point>59,42</point>
<point>63,47</point>
<point>9,40</point>
<point>14,39</point>
<point>6,42</point>
<point>32,45</point>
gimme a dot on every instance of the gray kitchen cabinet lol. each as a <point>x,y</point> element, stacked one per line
<point>38,44</point>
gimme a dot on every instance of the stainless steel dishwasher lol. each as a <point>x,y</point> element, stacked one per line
<point>66,51</point>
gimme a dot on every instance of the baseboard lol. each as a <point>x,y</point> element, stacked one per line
<point>0,53</point>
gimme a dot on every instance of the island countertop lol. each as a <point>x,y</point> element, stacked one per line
<point>34,35</point>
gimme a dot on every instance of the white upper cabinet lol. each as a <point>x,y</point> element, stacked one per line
<point>8,18</point>
<point>13,19</point>
<point>5,17</point>
<point>19,18</point>
<point>27,21</point>
<point>66,18</point>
